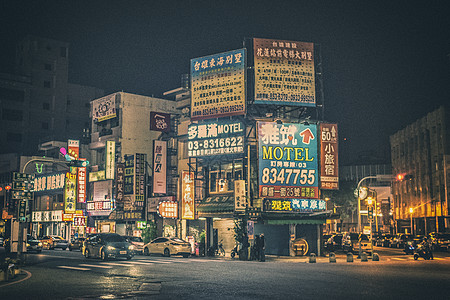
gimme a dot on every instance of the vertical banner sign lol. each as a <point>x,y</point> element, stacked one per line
<point>218,85</point>
<point>187,195</point>
<point>120,185</point>
<point>159,121</point>
<point>110,159</point>
<point>284,72</point>
<point>329,174</point>
<point>81,181</point>
<point>104,108</point>
<point>288,164</point>
<point>240,201</point>
<point>159,167</point>
<point>128,188</point>
<point>73,149</point>
<point>139,180</point>
<point>70,191</point>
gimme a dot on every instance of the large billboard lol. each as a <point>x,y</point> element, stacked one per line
<point>218,85</point>
<point>49,183</point>
<point>329,173</point>
<point>159,167</point>
<point>104,108</point>
<point>288,160</point>
<point>216,138</point>
<point>284,72</point>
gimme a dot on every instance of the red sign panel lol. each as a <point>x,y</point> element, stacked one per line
<point>329,172</point>
<point>168,209</point>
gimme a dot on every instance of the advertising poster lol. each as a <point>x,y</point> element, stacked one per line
<point>288,162</point>
<point>81,179</point>
<point>128,186</point>
<point>216,138</point>
<point>70,191</point>
<point>101,203</point>
<point>218,85</point>
<point>329,173</point>
<point>284,72</point>
<point>187,194</point>
<point>159,121</point>
<point>104,108</point>
<point>294,205</point>
<point>110,159</point>
<point>159,167</point>
<point>73,149</point>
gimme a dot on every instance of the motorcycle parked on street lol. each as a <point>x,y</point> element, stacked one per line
<point>422,251</point>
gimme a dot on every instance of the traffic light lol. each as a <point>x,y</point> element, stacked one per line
<point>79,163</point>
<point>404,176</point>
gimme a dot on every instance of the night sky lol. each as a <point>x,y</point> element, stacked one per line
<point>385,63</point>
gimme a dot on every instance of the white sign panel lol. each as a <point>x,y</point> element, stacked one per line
<point>159,167</point>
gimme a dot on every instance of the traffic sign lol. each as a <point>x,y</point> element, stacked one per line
<point>370,213</point>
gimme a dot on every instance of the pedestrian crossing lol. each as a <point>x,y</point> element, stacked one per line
<point>127,263</point>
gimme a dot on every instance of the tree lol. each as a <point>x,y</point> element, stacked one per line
<point>149,233</point>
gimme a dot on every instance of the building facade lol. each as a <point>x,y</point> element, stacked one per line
<point>420,154</point>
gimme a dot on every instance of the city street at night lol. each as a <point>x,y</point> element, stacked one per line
<point>68,275</point>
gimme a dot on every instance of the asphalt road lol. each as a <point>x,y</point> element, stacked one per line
<point>68,275</point>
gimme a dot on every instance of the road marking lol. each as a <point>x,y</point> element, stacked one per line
<point>137,263</point>
<point>115,264</point>
<point>156,261</point>
<point>398,258</point>
<point>74,268</point>
<point>95,266</point>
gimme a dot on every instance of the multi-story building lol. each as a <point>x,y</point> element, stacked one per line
<point>421,155</point>
<point>37,102</point>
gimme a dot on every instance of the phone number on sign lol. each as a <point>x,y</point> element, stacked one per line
<point>288,176</point>
<point>216,143</point>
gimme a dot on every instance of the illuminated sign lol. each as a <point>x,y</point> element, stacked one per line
<point>119,184</point>
<point>79,221</point>
<point>218,85</point>
<point>240,200</point>
<point>47,216</point>
<point>168,209</point>
<point>159,167</point>
<point>288,166</point>
<point>284,72</point>
<point>70,191</point>
<point>97,176</point>
<point>128,188</point>
<point>153,202</point>
<point>110,159</point>
<point>294,205</point>
<point>104,108</point>
<point>187,194</point>
<point>329,175</point>
<point>81,184</point>
<point>101,203</point>
<point>159,121</point>
<point>49,182</point>
<point>139,180</point>
<point>216,138</point>
<point>73,147</point>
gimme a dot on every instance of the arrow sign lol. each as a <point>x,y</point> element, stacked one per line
<point>307,136</point>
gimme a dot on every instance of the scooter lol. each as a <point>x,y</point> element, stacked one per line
<point>234,251</point>
<point>421,251</point>
<point>410,247</point>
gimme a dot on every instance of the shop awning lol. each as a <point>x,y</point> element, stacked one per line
<point>217,204</point>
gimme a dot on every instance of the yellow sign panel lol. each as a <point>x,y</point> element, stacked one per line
<point>284,72</point>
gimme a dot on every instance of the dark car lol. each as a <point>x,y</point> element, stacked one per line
<point>353,241</point>
<point>441,241</point>
<point>33,244</point>
<point>334,242</point>
<point>400,240</point>
<point>76,244</point>
<point>384,240</point>
<point>107,245</point>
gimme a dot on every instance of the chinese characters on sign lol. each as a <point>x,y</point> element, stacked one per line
<point>159,166</point>
<point>104,108</point>
<point>79,221</point>
<point>159,121</point>
<point>139,171</point>
<point>218,85</point>
<point>49,182</point>
<point>81,184</point>
<point>110,161</point>
<point>73,149</point>
<point>284,72</point>
<point>187,194</point>
<point>329,175</point>
<point>287,160</point>
<point>128,188</point>
<point>216,138</point>
<point>240,200</point>
<point>101,203</point>
<point>70,191</point>
<point>168,209</point>
<point>119,185</point>
<point>294,205</point>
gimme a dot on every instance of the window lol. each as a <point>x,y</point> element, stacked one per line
<point>223,175</point>
<point>47,84</point>
<point>46,106</point>
<point>48,67</point>
<point>12,115</point>
<point>13,137</point>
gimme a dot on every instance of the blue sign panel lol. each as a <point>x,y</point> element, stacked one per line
<point>288,166</point>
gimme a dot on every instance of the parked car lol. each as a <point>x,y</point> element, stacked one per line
<point>59,242</point>
<point>334,243</point>
<point>440,241</point>
<point>351,242</point>
<point>168,246</point>
<point>33,244</point>
<point>107,245</point>
<point>47,242</point>
<point>325,238</point>
<point>400,240</point>
<point>383,240</point>
<point>137,243</point>
<point>76,244</point>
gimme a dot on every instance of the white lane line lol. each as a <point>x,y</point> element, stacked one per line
<point>95,266</point>
<point>156,261</point>
<point>115,264</point>
<point>74,268</point>
<point>397,258</point>
<point>137,263</point>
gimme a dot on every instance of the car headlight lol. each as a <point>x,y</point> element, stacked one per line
<point>28,245</point>
<point>40,244</point>
<point>131,247</point>
<point>110,248</point>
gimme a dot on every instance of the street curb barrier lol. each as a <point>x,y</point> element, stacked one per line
<point>349,257</point>
<point>312,258</point>
<point>332,257</point>
<point>375,257</point>
<point>364,256</point>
